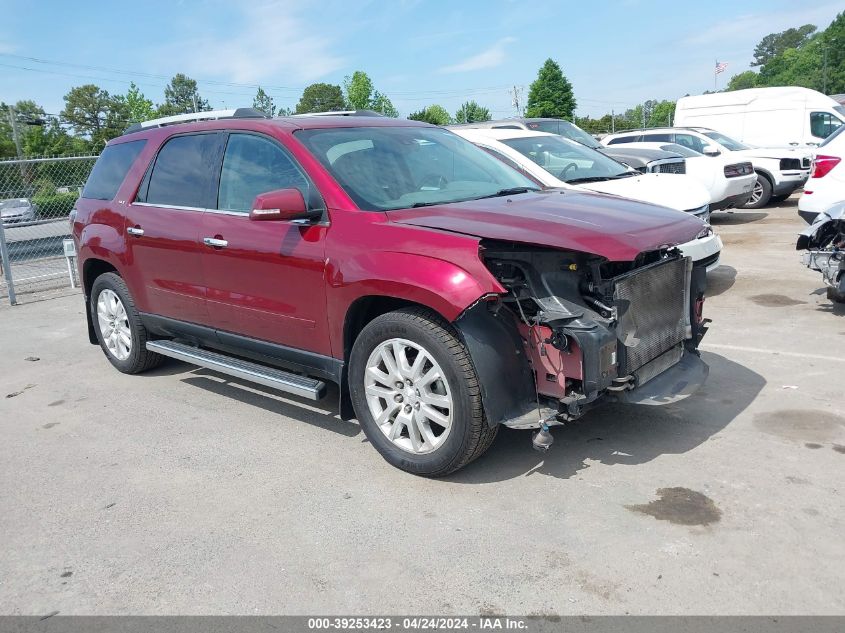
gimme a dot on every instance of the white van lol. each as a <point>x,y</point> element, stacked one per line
<point>769,117</point>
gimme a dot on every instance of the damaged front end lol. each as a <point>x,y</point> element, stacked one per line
<point>824,242</point>
<point>584,329</point>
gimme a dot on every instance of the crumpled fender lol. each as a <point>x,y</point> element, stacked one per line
<point>808,238</point>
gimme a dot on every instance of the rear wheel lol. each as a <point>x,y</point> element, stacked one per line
<point>761,194</point>
<point>118,326</point>
<point>416,393</point>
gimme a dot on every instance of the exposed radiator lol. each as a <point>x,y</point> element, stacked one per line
<point>653,305</point>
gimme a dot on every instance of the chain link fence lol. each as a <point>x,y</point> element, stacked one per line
<point>36,197</point>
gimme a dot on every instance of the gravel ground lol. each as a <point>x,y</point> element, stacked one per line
<point>183,492</point>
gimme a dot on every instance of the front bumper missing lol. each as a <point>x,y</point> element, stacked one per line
<point>672,385</point>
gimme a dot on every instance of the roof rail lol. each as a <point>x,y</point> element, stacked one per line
<point>234,113</point>
<point>342,113</point>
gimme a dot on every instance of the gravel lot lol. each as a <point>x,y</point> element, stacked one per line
<point>181,491</point>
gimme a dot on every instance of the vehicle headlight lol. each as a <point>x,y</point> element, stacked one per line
<point>707,231</point>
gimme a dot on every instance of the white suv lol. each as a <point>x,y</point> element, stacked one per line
<point>780,171</point>
<point>826,186</point>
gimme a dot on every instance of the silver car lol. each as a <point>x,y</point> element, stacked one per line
<point>15,210</point>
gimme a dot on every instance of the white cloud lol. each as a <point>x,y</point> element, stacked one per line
<point>271,42</point>
<point>489,58</point>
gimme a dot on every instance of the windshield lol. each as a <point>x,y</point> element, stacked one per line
<point>840,109</point>
<point>726,141</point>
<point>385,168</point>
<point>565,129</point>
<point>567,160</point>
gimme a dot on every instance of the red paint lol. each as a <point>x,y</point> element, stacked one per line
<point>294,285</point>
<point>551,366</point>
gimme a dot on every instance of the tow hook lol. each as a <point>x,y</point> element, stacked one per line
<point>542,440</point>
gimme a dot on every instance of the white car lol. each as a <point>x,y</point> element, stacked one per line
<point>728,180</point>
<point>826,186</point>
<point>780,170</point>
<point>554,161</point>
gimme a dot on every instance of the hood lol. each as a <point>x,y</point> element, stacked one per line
<point>676,191</point>
<point>611,227</point>
<point>774,152</point>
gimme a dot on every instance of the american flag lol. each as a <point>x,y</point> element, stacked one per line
<point>720,67</point>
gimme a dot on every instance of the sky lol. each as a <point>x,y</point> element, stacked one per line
<point>417,52</point>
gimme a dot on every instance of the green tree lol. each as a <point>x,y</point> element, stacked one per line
<point>264,102</point>
<point>550,94</point>
<point>471,112</point>
<point>138,107</point>
<point>775,44</point>
<point>320,97</point>
<point>832,45</point>
<point>743,80</point>
<point>92,112</point>
<point>383,105</point>
<point>434,114</point>
<point>662,113</point>
<point>359,91</point>
<point>181,97</point>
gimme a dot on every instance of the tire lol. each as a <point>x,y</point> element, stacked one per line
<point>125,324</point>
<point>779,199</point>
<point>761,194</point>
<point>418,336</point>
<point>834,295</point>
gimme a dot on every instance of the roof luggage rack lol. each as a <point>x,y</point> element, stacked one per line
<point>342,113</point>
<point>234,113</point>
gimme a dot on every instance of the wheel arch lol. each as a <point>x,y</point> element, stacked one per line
<point>91,269</point>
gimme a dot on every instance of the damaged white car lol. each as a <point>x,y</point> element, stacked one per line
<point>824,241</point>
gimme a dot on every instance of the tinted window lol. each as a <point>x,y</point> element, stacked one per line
<point>657,138</point>
<point>254,165</point>
<point>823,124</point>
<point>181,172</point>
<point>838,132</point>
<point>625,139</point>
<point>111,169</point>
<point>693,142</point>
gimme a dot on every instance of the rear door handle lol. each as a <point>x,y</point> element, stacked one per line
<point>135,230</point>
<point>214,242</point>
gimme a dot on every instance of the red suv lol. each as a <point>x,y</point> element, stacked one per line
<point>439,288</point>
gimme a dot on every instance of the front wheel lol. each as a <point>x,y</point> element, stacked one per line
<point>118,326</point>
<point>760,195</point>
<point>416,393</point>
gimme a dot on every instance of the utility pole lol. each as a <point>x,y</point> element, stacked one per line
<point>612,122</point>
<point>516,101</point>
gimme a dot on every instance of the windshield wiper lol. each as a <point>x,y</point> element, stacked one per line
<point>417,205</point>
<point>512,191</point>
<point>577,181</point>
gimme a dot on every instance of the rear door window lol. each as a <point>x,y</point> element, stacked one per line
<point>110,170</point>
<point>657,138</point>
<point>181,175</point>
<point>625,139</point>
<point>691,141</point>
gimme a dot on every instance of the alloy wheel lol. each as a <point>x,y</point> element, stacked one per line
<point>408,396</point>
<point>114,324</point>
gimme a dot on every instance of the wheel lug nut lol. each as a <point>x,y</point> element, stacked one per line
<point>417,406</point>
<point>397,397</point>
<point>407,408</point>
<point>399,384</point>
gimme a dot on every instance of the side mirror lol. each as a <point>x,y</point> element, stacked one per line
<point>710,150</point>
<point>281,205</point>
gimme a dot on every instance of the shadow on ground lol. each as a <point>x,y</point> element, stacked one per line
<point>720,280</point>
<point>738,217</point>
<point>624,435</point>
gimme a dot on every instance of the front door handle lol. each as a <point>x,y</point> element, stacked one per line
<point>135,230</point>
<point>215,242</point>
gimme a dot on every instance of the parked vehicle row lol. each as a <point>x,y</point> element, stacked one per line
<point>554,161</point>
<point>780,171</point>
<point>444,291</point>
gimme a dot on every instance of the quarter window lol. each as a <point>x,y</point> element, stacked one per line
<point>110,170</point>
<point>180,176</point>
<point>253,165</point>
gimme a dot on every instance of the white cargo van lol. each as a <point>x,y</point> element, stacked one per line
<point>764,116</point>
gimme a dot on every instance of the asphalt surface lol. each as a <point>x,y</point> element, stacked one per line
<point>181,491</point>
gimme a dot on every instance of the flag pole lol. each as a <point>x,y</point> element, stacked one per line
<point>715,75</point>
